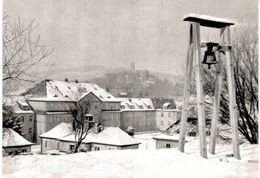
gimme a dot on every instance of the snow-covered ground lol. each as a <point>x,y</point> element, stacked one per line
<point>145,162</point>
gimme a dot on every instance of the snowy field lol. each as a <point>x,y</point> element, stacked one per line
<point>145,162</point>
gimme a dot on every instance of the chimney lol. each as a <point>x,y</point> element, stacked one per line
<point>76,81</point>
<point>66,80</point>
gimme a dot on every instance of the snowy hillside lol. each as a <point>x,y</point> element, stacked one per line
<point>136,163</point>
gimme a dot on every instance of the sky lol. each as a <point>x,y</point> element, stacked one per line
<point>115,33</point>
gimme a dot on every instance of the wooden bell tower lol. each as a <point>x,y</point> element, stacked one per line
<point>194,61</point>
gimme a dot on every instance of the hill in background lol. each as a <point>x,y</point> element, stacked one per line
<point>140,83</point>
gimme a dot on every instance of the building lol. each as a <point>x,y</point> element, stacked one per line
<point>165,118</point>
<point>21,109</point>
<point>53,102</point>
<point>168,141</point>
<point>62,138</point>
<point>138,113</point>
<point>13,143</point>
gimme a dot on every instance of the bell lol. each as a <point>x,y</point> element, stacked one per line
<point>209,55</point>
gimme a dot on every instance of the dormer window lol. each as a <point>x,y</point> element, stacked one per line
<point>149,106</point>
<point>55,96</point>
<point>122,106</point>
<point>132,107</point>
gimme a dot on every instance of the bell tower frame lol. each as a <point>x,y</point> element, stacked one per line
<point>194,56</point>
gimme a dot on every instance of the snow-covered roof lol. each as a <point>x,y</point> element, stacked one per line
<point>129,104</point>
<point>57,90</point>
<point>61,130</point>
<point>109,136</point>
<point>171,137</point>
<point>208,21</point>
<point>18,104</point>
<point>12,139</point>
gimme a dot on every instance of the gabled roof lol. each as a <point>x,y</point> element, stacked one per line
<point>61,130</point>
<point>136,104</point>
<point>109,136</point>
<point>13,139</point>
<point>68,91</point>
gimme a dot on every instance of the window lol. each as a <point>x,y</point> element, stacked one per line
<point>161,114</point>
<point>72,147</point>
<point>168,145</point>
<point>30,118</point>
<point>97,148</point>
<point>24,150</point>
<point>30,130</point>
<point>46,144</point>
<point>161,122</point>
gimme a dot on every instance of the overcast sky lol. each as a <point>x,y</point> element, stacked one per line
<point>115,32</point>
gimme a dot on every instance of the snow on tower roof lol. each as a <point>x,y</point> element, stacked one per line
<point>12,139</point>
<point>61,130</point>
<point>208,21</point>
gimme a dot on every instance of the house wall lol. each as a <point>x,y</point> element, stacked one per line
<point>110,106</point>
<point>95,105</point>
<point>28,125</point>
<point>129,147</point>
<point>46,122</point>
<point>60,106</point>
<point>103,147</point>
<point>40,126</point>
<point>49,144</point>
<point>10,150</point>
<point>111,118</point>
<point>162,143</point>
<point>65,146</point>
<point>38,105</point>
<point>165,118</point>
<point>53,120</point>
<point>141,121</point>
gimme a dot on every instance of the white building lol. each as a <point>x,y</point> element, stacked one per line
<point>13,143</point>
<point>62,138</point>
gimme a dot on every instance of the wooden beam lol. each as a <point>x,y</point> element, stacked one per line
<point>199,89</point>
<point>218,88</point>
<point>232,96</point>
<point>186,92</point>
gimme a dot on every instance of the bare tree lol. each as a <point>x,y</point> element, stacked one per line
<point>22,51</point>
<point>245,56</point>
